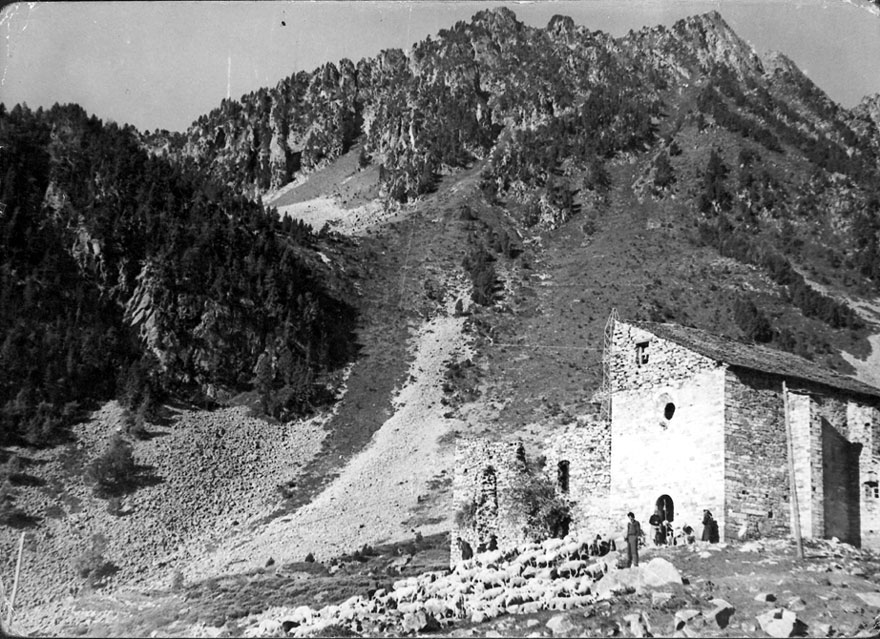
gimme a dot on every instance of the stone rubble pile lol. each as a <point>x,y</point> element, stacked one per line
<point>553,575</point>
<point>208,474</point>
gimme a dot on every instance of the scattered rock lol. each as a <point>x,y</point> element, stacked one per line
<point>660,598</point>
<point>765,597</point>
<point>419,621</point>
<point>870,598</point>
<point>796,604</point>
<point>659,572</point>
<point>682,617</point>
<point>561,625</point>
<point>721,612</point>
<point>638,625</point>
<point>780,623</point>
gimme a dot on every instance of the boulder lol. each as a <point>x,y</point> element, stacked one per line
<point>683,616</point>
<point>870,598</point>
<point>659,572</point>
<point>561,625</point>
<point>780,623</point>
<point>660,598</point>
<point>618,582</point>
<point>796,604</point>
<point>721,612</point>
<point>419,621</point>
<point>638,626</point>
<point>301,615</point>
<point>765,597</point>
<point>267,628</point>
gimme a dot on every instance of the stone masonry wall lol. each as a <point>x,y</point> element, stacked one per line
<point>863,423</point>
<point>806,438</point>
<point>755,456</point>
<point>667,362</point>
<point>485,473</point>
<point>587,449</point>
<point>668,436</point>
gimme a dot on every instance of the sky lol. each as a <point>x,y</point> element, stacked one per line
<point>162,64</point>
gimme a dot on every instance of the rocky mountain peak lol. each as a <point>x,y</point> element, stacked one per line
<point>497,19</point>
<point>776,62</point>
<point>561,26</point>
<point>869,108</point>
<point>712,40</point>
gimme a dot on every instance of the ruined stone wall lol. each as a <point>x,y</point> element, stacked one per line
<point>485,473</point>
<point>642,360</point>
<point>587,449</point>
<point>755,456</point>
<point>667,436</point>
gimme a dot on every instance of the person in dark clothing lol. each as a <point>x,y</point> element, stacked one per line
<point>710,528</point>
<point>654,520</point>
<point>466,551</point>
<point>633,534</point>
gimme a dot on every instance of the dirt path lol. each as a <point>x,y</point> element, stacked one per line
<point>377,492</point>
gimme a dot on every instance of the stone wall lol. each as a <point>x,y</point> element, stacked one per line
<point>587,449</point>
<point>640,359</point>
<point>864,428</point>
<point>485,473</point>
<point>806,438</point>
<point>755,456</point>
<point>831,452</point>
<point>668,437</point>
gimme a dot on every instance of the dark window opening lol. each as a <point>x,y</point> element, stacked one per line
<point>562,476</point>
<point>669,410</point>
<point>521,454</point>
<point>872,490</point>
<point>641,353</point>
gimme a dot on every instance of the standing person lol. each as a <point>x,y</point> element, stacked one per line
<point>633,534</point>
<point>710,528</point>
<point>654,520</point>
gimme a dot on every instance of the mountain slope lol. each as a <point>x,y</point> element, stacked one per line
<point>123,273</point>
<point>505,187</point>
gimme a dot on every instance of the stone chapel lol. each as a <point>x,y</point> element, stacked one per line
<point>697,421</point>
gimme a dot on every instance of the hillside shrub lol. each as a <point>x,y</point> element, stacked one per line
<point>10,514</point>
<point>113,472</point>
<point>752,321</point>
<point>466,516</point>
<point>664,175</point>
<point>478,264</point>
<point>548,513</point>
<point>93,566</point>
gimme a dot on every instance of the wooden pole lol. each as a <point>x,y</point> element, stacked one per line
<point>796,513</point>
<point>3,604</point>
<point>15,584</point>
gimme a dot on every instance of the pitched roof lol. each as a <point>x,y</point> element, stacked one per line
<point>755,357</point>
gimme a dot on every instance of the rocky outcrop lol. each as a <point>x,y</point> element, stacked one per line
<point>446,101</point>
